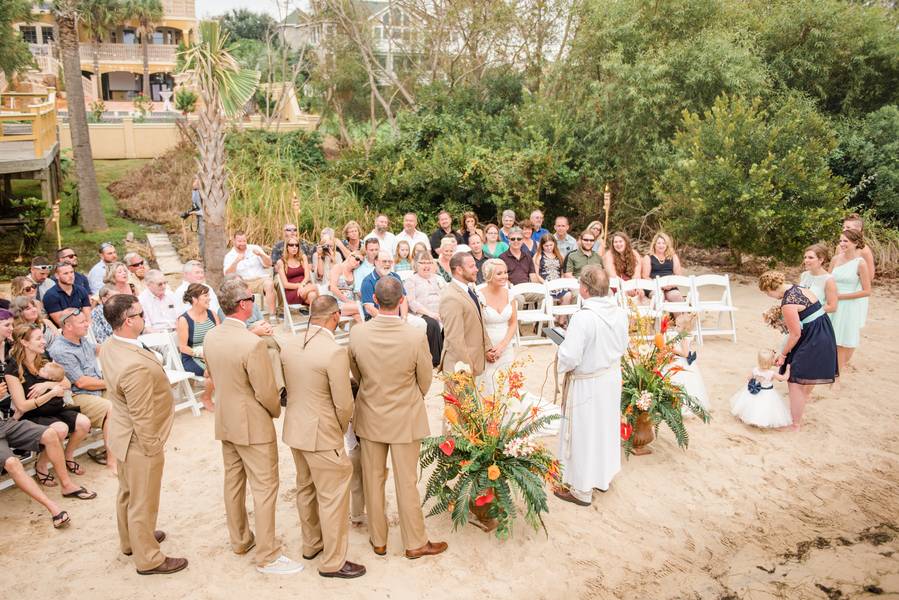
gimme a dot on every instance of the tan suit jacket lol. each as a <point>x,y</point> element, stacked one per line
<point>142,404</point>
<point>319,397</point>
<point>391,361</point>
<point>464,336</point>
<point>247,398</point>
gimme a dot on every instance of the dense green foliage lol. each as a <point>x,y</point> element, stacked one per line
<point>14,54</point>
<point>241,23</point>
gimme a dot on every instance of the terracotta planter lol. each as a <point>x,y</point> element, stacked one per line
<point>481,519</point>
<point>643,434</point>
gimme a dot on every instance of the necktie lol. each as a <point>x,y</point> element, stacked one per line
<point>474,298</point>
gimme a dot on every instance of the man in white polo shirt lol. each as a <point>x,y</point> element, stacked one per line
<point>252,264</point>
<point>411,234</point>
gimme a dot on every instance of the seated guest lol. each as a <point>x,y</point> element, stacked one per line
<point>445,251</point>
<point>476,249</point>
<point>289,231</point>
<point>583,255</point>
<point>68,256</point>
<point>119,277</point>
<point>493,246</point>
<point>95,276</point>
<point>342,286</point>
<point>622,261</point>
<point>367,266</point>
<point>137,271</point>
<point>537,226</point>
<point>250,262</point>
<point>325,256</point>
<point>527,231</point>
<point>382,269</point>
<point>411,234</point>
<point>423,295</point>
<point>100,327</point>
<point>508,221</point>
<point>77,355</point>
<point>352,240</point>
<point>596,228</point>
<point>548,264</point>
<point>381,232</point>
<point>193,272</point>
<point>191,328</point>
<point>36,387</point>
<point>564,242</point>
<point>444,228</point>
<point>23,286</point>
<point>469,226</point>
<point>518,262</point>
<point>39,274</point>
<point>403,259</point>
<point>662,261</point>
<point>28,310</point>
<point>65,294</point>
<point>296,275</point>
<point>159,303</point>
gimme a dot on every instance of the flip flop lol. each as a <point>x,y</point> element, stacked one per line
<point>45,479</point>
<point>61,520</point>
<point>74,468</point>
<point>98,455</point>
<point>81,493</point>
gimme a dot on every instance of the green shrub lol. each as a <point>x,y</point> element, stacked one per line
<point>34,212</point>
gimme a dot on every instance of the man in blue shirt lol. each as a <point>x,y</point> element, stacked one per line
<point>382,269</point>
<point>367,266</point>
<point>108,255</point>
<point>67,255</point>
<point>537,223</point>
<point>65,294</point>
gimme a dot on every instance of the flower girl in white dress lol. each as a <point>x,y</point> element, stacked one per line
<point>688,376</point>
<point>758,403</point>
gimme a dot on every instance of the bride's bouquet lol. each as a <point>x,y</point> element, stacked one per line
<point>774,318</point>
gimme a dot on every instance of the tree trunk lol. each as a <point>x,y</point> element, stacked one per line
<point>213,187</point>
<point>91,212</point>
<point>146,52</point>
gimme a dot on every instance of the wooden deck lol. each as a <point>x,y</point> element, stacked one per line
<point>29,143</point>
<point>18,157</point>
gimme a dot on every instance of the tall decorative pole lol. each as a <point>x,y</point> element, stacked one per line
<point>606,204</point>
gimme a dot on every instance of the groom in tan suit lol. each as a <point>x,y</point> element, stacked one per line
<point>139,425</point>
<point>246,400</point>
<point>391,362</point>
<point>464,337</point>
<point>318,413</point>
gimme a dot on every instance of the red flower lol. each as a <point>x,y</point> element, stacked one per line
<point>485,498</point>
<point>450,399</point>
<point>626,430</point>
<point>448,446</point>
<point>665,323</point>
<point>658,373</point>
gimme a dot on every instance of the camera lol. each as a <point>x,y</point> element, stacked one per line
<point>185,214</point>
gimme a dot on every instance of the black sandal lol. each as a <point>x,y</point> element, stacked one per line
<point>61,520</point>
<point>45,479</point>
<point>74,469</point>
<point>81,493</point>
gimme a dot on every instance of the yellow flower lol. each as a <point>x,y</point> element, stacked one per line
<point>492,472</point>
<point>451,415</point>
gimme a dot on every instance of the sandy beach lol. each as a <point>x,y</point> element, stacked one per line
<point>743,513</point>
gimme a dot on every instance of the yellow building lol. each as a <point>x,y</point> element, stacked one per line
<point>120,55</point>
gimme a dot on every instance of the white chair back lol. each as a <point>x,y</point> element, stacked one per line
<point>718,300</point>
<point>685,285</point>
<point>294,324</point>
<point>538,316</point>
<point>569,284</point>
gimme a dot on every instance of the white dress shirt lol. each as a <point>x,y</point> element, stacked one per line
<point>386,243</point>
<point>160,314</point>
<point>416,238</point>
<point>251,267</point>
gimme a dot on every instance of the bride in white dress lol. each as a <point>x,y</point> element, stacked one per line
<point>500,320</point>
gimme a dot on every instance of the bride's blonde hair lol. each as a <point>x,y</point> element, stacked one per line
<point>489,268</point>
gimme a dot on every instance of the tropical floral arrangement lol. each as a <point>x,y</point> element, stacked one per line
<point>648,394</point>
<point>490,456</point>
<point>774,317</point>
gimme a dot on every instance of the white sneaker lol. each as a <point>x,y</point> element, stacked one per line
<point>281,566</point>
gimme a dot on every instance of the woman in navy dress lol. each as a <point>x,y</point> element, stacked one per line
<point>811,346</point>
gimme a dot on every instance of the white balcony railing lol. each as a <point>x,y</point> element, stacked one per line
<point>129,53</point>
<point>179,8</point>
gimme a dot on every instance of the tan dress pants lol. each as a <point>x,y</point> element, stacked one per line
<point>137,506</point>
<point>404,458</point>
<point>259,464</point>
<point>357,493</point>
<point>323,503</point>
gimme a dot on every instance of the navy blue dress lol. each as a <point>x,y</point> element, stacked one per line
<point>813,360</point>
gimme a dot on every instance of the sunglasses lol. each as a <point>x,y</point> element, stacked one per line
<point>516,239</point>
<point>137,264</point>
<point>139,314</point>
<point>588,239</point>
<point>249,298</point>
<point>28,288</point>
<point>106,245</point>
<point>293,245</point>
<point>74,313</point>
<point>290,229</point>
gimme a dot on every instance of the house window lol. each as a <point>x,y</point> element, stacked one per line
<point>29,34</point>
<point>129,36</point>
<point>47,33</point>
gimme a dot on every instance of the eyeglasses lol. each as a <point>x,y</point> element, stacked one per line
<point>140,314</point>
<point>74,313</point>
<point>137,264</point>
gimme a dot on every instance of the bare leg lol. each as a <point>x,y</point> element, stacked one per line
<point>268,289</point>
<point>82,430</point>
<point>844,355</point>
<point>798,397</point>
<point>53,449</point>
<point>17,472</point>
<point>674,295</point>
<point>206,397</point>
<point>60,430</point>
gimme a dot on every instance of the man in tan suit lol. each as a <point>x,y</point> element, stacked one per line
<point>319,409</point>
<point>391,361</point>
<point>246,399</point>
<point>142,412</point>
<point>464,337</point>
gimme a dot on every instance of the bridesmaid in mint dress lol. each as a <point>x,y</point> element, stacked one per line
<point>850,272</point>
<point>816,278</point>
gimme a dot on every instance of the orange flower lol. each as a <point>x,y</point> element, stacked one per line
<point>451,415</point>
<point>660,341</point>
<point>464,463</point>
<point>493,429</point>
<point>492,472</point>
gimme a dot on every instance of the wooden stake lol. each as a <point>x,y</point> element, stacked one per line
<point>606,204</point>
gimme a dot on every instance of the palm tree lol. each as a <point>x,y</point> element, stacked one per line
<point>147,13</point>
<point>224,87</point>
<point>90,211</point>
<point>99,16</point>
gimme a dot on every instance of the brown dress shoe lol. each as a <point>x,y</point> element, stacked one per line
<point>158,534</point>
<point>169,565</point>
<point>567,496</point>
<point>429,549</point>
<point>379,550</point>
<point>347,571</point>
<point>314,554</point>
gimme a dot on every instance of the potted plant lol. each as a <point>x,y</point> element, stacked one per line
<point>490,456</point>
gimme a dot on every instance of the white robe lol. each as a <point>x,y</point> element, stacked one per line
<point>596,339</point>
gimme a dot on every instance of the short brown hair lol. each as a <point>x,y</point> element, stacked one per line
<point>388,291</point>
<point>596,281</point>
<point>194,290</point>
<point>231,293</point>
<point>116,309</point>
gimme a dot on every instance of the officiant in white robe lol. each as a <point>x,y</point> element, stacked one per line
<point>589,359</point>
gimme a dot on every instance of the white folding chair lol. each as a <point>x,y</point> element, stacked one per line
<point>537,316</point>
<point>294,324</point>
<point>166,345</point>
<point>569,284</point>
<point>682,283</point>
<point>615,291</point>
<point>721,303</point>
<point>649,308</point>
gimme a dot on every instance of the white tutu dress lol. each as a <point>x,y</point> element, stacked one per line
<point>690,379</point>
<point>765,407</point>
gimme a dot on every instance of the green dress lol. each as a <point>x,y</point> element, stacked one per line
<point>850,315</point>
